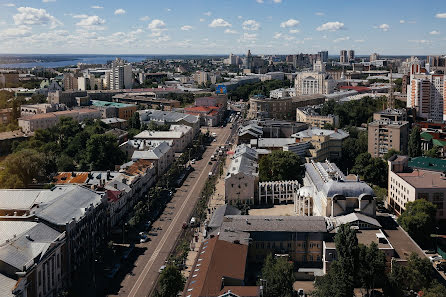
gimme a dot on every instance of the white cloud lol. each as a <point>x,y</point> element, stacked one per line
<point>251,25</point>
<point>434,32</point>
<point>46,1</point>
<point>9,4</point>
<point>92,22</point>
<point>402,21</point>
<point>157,25</point>
<point>277,1</point>
<point>144,18</point>
<point>34,16</point>
<point>383,27</point>
<point>208,13</point>
<point>340,39</point>
<point>80,16</point>
<point>259,1</point>
<point>331,26</point>
<point>219,23</point>
<point>97,7</point>
<point>422,41</point>
<point>278,35</point>
<point>119,11</point>
<point>230,31</point>
<point>240,17</point>
<point>441,15</point>
<point>20,31</point>
<point>168,9</point>
<point>202,20</point>
<point>294,31</point>
<point>290,23</point>
<point>319,13</point>
<point>359,40</point>
<point>186,28</point>
<point>248,37</point>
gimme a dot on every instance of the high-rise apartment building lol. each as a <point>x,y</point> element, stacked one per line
<point>121,76</point>
<point>426,94</point>
<point>70,82</point>
<point>343,57</point>
<point>384,135</point>
<point>374,57</point>
<point>351,55</point>
<point>323,56</point>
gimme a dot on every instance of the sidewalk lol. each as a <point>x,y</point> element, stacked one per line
<point>217,199</point>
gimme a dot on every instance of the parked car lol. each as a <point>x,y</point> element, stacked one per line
<point>193,161</point>
<point>435,258</point>
<point>162,268</point>
<point>144,239</point>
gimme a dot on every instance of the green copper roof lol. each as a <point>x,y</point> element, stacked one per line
<point>438,142</point>
<point>427,163</point>
<point>426,136</point>
<point>112,104</point>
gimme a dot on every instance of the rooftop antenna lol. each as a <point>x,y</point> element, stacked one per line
<point>390,99</point>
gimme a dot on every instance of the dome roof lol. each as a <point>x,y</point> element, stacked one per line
<point>346,188</point>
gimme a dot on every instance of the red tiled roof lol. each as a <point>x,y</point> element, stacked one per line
<point>113,196</point>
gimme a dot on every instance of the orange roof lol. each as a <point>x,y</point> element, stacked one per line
<point>68,178</point>
<point>139,167</point>
<point>216,259</point>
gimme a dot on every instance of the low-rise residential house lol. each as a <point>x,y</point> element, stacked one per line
<point>5,116</point>
<point>417,178</point>
<point>325,144</point>
<point>242,177</point>
<point>115,123</point>
<point>161,154</point>
<point>310,116</point>
<point>171,118</point>
<point>49,120</point>
<point>209,115</point>
<point>180,135</point>
<point>33,109</point>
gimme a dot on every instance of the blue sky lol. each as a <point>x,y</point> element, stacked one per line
<point>220,27</point>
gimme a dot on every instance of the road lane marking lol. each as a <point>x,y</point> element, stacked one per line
<point>155,254</point>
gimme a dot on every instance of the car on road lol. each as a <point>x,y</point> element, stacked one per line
<point>210,173</point>
<point>215,140</point>
<point>214,134</point>
<point>435,258</point>
<point>193,161</point>
<point>144,239</point>
<point>162,268</point>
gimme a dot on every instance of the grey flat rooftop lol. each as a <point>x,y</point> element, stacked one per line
<point>274,223</point>
<point>220,213</point>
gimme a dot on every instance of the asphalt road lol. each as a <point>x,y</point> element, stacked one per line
<point>168,227</point>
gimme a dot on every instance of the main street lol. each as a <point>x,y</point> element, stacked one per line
<point>169,226</point>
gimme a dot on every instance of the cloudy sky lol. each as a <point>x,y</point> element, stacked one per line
<point>219,27</point>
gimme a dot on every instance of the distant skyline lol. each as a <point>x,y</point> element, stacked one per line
<point>202,27</point>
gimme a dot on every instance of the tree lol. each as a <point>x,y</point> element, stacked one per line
<point>418,219</point>
<point>21,168</point>
<point>103,153</point>
<point>171,282</point>
<point>134,122</point>
<point>435,290</point>
<point>391,153</point>
<point>278,275</point>
<point>415,275</point>
<point>415,143</point>
<point>373,170</point>
<point>340,279</point>
<point>280,165</point>
<point>372,266</point>
<point>433,152</point>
